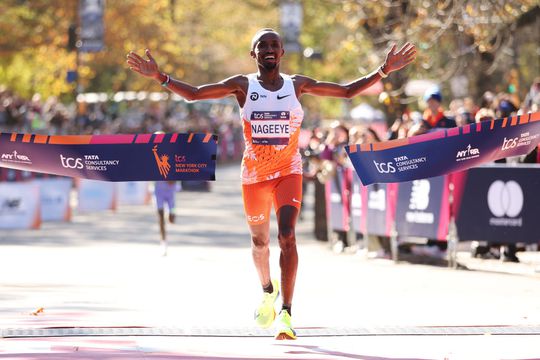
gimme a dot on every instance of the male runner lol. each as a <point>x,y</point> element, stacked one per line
<point>271,165</point>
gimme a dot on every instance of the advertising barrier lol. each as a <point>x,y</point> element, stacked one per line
<point>373,207</point>
<point>140,157</point>
<point>446,150</point>
<point>495,203</point>
<point>338,209</point>
<point>500,204</point>
<point>55,198</point>
<point>423,208</point>
<point>133,193</point>
<point>381,208</point>
<point>19,206</point>
<point>96,195</point>
<point>358,204</point>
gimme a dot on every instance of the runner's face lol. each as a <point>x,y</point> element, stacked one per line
<point>268,51</point>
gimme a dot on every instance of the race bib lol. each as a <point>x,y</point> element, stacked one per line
<point>270,127</point>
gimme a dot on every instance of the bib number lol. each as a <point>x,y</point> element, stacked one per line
<point>270,127</point>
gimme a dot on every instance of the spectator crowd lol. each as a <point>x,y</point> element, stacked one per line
<point>323,146</point>
<point>325,154</point>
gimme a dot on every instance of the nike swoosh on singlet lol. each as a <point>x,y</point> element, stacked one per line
<point>282,97</point>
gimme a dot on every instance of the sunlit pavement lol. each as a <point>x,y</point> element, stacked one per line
<point>105,271</point>
<point>370,348</point>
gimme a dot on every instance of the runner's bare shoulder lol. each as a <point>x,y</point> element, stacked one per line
<point>239,81</point>
<point>300,81</point>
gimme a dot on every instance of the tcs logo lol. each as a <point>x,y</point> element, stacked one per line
<point>509,143</point>
<point>385,168</point>
<point>71,163</point>
<point>255,218</point>
<point>505,199</point>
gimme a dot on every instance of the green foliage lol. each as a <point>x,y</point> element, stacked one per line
<point>207,40</point>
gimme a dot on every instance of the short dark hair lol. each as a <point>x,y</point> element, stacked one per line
<point>260,33</point>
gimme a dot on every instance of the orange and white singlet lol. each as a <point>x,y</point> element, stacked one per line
<point>271,122</point>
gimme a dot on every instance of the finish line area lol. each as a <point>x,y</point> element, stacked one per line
<point>106,292</point>
<point>366,343</point>
<point>256,332</point>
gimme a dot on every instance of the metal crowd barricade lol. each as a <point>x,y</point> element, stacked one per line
<point>495,203</point>
<point>372,208</point>
<point>338,210</point>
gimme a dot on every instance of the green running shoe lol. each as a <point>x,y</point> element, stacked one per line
<point>284,330</point>
<point>265,313</point>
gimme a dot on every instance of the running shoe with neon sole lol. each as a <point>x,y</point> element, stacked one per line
<point>284,330</point>
<point>266,313</point>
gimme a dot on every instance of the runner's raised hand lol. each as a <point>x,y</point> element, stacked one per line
<point>148,68</point>
<point>396,60</point>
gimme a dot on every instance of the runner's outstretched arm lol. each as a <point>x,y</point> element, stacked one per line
<point>149,68</point>
<point>395,60</point>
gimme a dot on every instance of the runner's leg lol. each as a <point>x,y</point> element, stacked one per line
<point>257,204</point>
<point>160,204</point>
<point>288,258</point>
<point>171,203</point>
<point>260,251</point>
<point>287,200</point>
<point>161,219</point>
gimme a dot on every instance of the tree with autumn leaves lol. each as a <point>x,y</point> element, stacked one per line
<point>206,40</point>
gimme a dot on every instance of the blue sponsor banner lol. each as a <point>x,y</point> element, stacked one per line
<point>92,30</point>
<point>446,150</point>
<point>141,157</point>
<point>500,204</point>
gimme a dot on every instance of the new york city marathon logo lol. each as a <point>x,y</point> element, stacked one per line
<point>162,162</point>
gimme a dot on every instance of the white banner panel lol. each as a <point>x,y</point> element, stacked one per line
<point>19,205</point>
<point>55,196</point>
<point>95,195</point>
<point>133,193</point>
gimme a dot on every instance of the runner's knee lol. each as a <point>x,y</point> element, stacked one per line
<point>260,241</point>
<point>286,237</point>
<point>286,232</point>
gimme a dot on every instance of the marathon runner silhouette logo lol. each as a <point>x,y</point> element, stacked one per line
<point>162,163</point>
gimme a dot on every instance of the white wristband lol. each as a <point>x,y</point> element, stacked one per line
<point>381,72</point>
<point>166,82</point>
